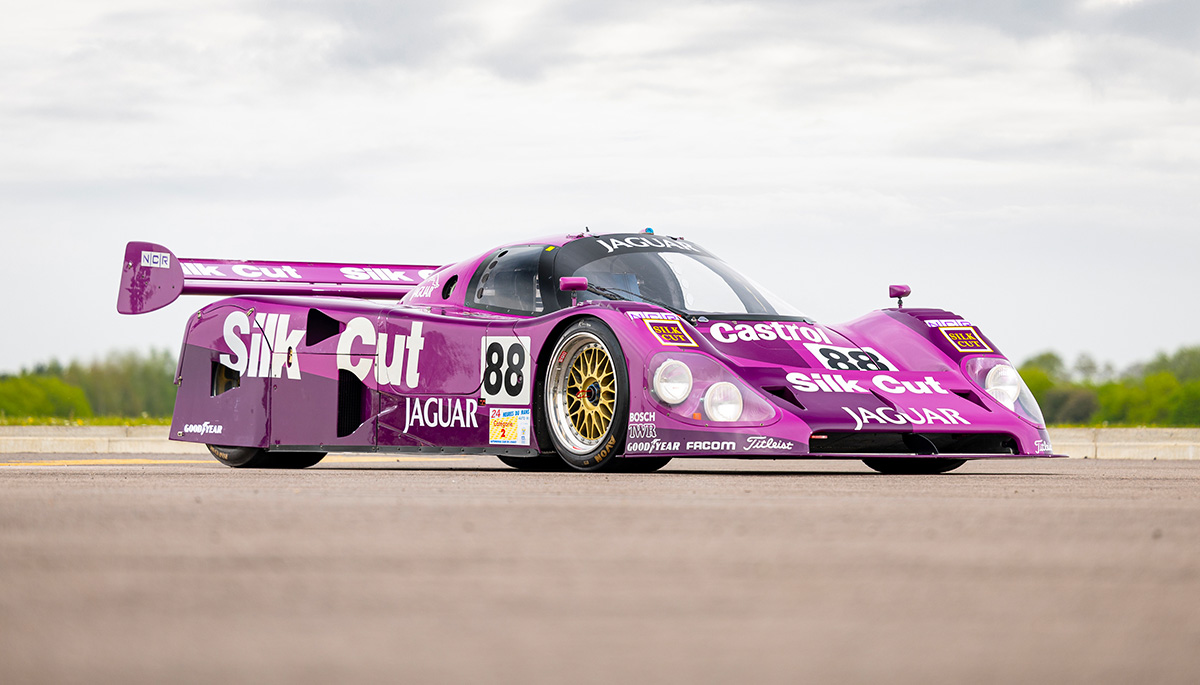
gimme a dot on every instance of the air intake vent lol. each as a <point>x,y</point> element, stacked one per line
<point>351,397</point>
<point>321,326</point>
<point>785,394</point>
<point>224,379</point>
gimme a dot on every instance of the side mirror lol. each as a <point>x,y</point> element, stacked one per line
<point>899,292</point>
<point>571,283</point>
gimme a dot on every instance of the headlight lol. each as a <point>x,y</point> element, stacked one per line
<point>1000,380</point>
<point>673,381</point>
<point>1004,383</point>
<point>723,402</point>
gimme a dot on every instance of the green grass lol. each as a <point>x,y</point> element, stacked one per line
<point>90,421</point>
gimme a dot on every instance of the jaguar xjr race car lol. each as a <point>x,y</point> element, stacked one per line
<point>584,351</point>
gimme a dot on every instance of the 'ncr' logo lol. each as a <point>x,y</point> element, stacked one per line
<point>157,260</point>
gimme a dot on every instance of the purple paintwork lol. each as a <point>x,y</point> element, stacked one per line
<point>899,291</point>
<point>448,370</point>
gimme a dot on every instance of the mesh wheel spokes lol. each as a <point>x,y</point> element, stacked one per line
<point>591,393</point>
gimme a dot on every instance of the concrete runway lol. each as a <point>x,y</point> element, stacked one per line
<point>177,569</point>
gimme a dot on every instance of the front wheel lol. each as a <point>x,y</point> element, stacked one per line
<point>921,465</point>
<point>640,464</point>
<point>585,396</point>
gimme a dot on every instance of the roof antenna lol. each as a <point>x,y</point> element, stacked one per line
<point>586,229</point>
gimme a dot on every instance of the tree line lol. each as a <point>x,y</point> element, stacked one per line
<point>126,384</point>
<point>1162,392</point>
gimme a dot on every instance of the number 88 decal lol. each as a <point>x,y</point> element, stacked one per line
<point>850,358</point>
<point>504,365</point>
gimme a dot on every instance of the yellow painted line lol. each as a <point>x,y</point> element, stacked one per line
<point>146,462</point>
<point>105,462</point>
<point>364,460</point>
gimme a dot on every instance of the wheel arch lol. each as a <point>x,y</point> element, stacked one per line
<point>612,320</point>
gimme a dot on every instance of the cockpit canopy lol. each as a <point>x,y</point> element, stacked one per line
<point>638,267</point>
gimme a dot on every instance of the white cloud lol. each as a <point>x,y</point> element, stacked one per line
<point>1011,161</point>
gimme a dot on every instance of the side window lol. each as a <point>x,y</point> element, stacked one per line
<point>508,281</point>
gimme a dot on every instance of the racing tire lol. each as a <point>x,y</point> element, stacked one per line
<point>640,464</point>
<point>584,398</point>
<point>543,463</point>
<point>906,466</point>
<point>258,458</point>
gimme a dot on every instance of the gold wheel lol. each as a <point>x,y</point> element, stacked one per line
<point>591,392</point>
<point>586,396</point>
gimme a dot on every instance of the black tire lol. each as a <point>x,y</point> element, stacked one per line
<point>911,466</point>
<point>293,460</point>
<point>640,464</point>
<point>544,462</point>
<point>258,458</point>
<point>583,398</point>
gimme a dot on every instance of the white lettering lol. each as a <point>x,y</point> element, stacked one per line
<point>235,323</point>
<point>440,412</point>
<point>642,430</point>
<point>203,428</point>
<point>405,353</point>
<point>760,442</point>
<point>712,446</point>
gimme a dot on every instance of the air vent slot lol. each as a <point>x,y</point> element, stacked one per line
<point>785,394</point>
<point>971,397</point>
<point>350,399</point>
<point>321,326</point>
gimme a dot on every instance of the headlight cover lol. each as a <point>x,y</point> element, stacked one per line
<point>715,395</point>
<point>997,377</point>
<point>723,402</point>
<point>672,382</point>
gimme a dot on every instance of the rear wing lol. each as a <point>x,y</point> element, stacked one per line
<point>152,278</point>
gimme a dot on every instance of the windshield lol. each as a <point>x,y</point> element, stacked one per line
<point>689,281</point>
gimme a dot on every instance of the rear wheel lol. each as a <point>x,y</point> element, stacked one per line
<point>258,458</point>
<point>544,462</point>
<point>904,465</point>
<point>585,398</point>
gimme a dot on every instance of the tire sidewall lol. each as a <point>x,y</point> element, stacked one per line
<point>237,457</point>
<point>613,441</point>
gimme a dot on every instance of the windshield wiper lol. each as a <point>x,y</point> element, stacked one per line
<point>614,294</point>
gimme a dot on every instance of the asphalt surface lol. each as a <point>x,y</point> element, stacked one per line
<point>178,569</point>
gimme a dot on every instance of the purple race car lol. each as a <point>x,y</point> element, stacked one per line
<point>583,352</point>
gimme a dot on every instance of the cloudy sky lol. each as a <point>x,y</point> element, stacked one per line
<point>1033,165</point>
